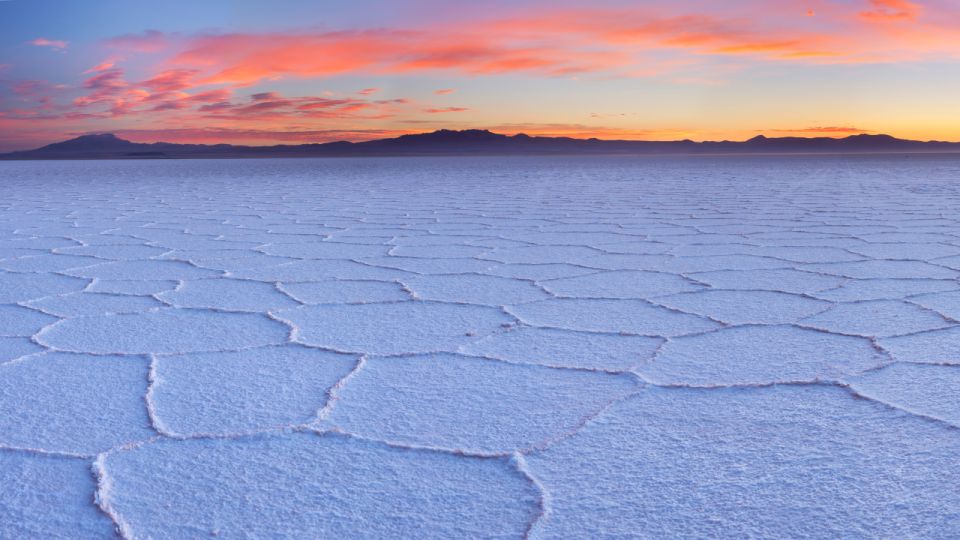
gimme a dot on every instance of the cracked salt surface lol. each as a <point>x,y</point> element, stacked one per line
<point>32,285</point>
<point>47,496</point>
<point>330,486</point>
<point>621,284</point>
<point>244,391</point>
<point>12,348</point>
<point>745,307</point>
<point>877,318</point>
<point>228,294</point>
<point>888,289</point>
<point>623,316</point>
<point>165,331</point>
<point>474,289</point>
<point>785,280</point>
<point>778,462</point>
<point>565,348</point>
<point>929,390</point>
<point>423,401</point>
<point>73,403</point>
<point>752,355</point>
<point>474,347</point>
<point>21,321</point>
<point>84,303</point>
<point>392,328</point>
<point>132,287</point>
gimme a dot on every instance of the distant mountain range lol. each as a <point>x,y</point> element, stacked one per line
<point>475,142</point>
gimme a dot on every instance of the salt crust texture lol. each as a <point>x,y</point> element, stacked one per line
<point>481,348</point>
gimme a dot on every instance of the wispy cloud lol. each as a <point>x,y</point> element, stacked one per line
<point>642,42</point>
<point>55,44</point>
<point>891,10</point>
<point>848,130</point>
<point>255,136</point>
<point>445,110</point>
<point>103,66</point>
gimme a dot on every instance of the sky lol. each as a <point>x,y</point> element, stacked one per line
<point>294,71</point>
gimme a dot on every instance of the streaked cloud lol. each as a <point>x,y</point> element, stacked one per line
<point>103,66</point>
<point>254,136</point>
<point>891,10</point>
<point>55,44</point>
<point>441,110</point>
<point>823,130</point>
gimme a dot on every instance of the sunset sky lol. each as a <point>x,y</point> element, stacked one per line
<point>290,71</point>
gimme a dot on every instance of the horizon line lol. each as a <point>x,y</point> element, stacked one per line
<point>761,135</point>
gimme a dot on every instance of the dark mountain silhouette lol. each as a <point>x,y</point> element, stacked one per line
<point>475,141</point>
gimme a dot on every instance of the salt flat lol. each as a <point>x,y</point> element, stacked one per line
<point>481,347</point>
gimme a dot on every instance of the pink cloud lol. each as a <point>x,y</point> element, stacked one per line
<point>213,135</point>
<point>444,91</point>
<point>446,110</point>
<point>33,88</point>
<point>171,80</point>
<point>103,66</point>
<point>211,96</point>
<point>249,58</point>
<point>368,91</point>
<point>558,43</point>
<point>265,96</point>
<point>103,86</point>
<point>178,91</point>
<point>891,10</point>
<point>273,106</point>
<point>55,44</point>
<point>314,103</point>
<point>170,106</point>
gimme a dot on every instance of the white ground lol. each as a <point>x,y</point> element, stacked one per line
<point>494,347</point>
